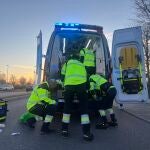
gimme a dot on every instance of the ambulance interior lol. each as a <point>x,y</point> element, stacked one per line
<point>62,47</point>
<point>129,64</point>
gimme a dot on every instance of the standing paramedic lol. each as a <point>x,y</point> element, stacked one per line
<point>74,76</point>
<point>87,57</point>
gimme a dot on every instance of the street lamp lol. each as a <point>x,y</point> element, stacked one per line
<point>7,73</point>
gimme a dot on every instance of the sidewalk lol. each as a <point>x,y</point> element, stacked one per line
<point>139,110</point>
<point>7,94</point>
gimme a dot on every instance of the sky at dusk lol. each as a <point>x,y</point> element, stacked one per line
<point>21,21</point>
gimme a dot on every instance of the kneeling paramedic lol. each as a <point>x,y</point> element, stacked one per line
<point>41,104</point>
<point>104,93</point>
<point>74,76</point>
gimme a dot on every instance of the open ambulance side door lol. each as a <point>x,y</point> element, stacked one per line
<point>128,65</point>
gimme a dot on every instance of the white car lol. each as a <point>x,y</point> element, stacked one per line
<point>6,87</point>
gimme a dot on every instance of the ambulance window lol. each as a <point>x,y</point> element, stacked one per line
<point>67,40</point>
<point>63,45</point>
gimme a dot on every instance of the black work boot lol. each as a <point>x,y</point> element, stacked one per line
<point>45,128</point>
<point>113,121</point>
<point>31,122</point>
<point>102,123</point>
<point>64,131</point>
<point>87,135</point>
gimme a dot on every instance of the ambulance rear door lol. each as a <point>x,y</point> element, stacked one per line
<point>128,66</point>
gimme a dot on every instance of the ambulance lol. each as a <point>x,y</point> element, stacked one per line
<point>125,66</point>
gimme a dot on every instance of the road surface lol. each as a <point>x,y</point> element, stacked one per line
<point>131,134</point>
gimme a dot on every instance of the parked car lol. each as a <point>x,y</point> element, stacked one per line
<point>6,87</point>
<point>29,88</point>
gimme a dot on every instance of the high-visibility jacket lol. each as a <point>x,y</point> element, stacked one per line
<point>39,94</point>
<point>74,72</point>
<point>89,57</point>
<point>96,81</point>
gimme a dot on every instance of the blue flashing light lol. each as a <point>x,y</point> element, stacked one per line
<point>66,24</point>
<point>59,24</point>
<point>72,24</point>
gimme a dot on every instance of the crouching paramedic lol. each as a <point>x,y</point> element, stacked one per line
<point>74,76</point>
<point>104,93</point>
<point>41,104</point>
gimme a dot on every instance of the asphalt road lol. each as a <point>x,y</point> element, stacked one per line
<point>131,134</point>
<point>10,93</point>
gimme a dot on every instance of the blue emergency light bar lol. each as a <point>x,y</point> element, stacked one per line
<point>66,24</point>
<point>77,26</point>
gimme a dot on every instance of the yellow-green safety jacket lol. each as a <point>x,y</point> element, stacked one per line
<point>96,81</point>
<point>74,72</point>
<point>39,94</point>
<point>89,57</point>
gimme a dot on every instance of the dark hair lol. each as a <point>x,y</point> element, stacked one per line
<point>43,86</point>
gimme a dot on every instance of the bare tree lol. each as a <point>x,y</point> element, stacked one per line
<point>146,41</point>
<point>22,81</point>
<point>143,18</point>
<point>2,78</point>
<point>30,81</point>
<point>13,80</point>
<point>142,10</point>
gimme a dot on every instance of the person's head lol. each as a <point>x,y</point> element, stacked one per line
<point>82,42</point>
<point>52,84</point>
<point>93,72</point>
<point>75,55</point>
<point>49,85</point>
<point>74,52</point>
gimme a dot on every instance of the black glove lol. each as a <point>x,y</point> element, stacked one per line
<point>104,87</point>
<point>44,103</point>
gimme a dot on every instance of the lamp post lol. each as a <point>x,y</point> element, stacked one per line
<point>7,73</point>
<point>0,74</point>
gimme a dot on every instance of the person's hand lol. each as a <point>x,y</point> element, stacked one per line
<point>44,103</point>
<point>94,96</point>
<point>59,82</point>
